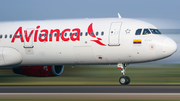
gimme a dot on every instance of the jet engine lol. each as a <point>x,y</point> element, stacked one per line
<point>39,71</point>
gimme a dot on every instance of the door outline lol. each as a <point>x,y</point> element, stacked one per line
<point>114,33</point>
<point>30,43</point>
<point>84,54</point>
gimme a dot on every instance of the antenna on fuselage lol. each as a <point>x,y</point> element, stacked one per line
<point>119,15</point>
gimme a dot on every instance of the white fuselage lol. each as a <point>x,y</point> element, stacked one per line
<point>51,42</point>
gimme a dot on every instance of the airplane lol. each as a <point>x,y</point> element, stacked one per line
<point>42,48</point>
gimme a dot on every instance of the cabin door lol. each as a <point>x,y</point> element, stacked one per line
<point>114,34</point>
<point>28,38</point>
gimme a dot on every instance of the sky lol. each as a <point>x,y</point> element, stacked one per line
<point>162,13</point>
<point>66,9</point>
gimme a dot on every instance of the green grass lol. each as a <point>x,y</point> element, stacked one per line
<point>97,75</point>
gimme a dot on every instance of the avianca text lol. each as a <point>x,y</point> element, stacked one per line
<point>23,35</point>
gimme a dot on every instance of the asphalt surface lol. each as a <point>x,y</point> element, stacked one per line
<point>91,89</point>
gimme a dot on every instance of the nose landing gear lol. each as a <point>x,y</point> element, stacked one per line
<point>123,80</point>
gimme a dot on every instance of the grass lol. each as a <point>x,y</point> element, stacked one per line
<point>97,75</point>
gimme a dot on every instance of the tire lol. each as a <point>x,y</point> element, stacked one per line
<point>123,80</point>
<point>128,80</point>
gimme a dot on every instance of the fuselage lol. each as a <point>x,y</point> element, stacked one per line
<point>81,41</point>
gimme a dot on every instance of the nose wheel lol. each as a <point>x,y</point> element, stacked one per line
<point>123,80</point>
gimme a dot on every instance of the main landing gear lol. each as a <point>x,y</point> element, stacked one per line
<point>123,80</point>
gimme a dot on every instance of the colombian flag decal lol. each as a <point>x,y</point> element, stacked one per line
<point>137,41</point>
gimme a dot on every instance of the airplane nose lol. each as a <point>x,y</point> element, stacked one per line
<point>169,47</point>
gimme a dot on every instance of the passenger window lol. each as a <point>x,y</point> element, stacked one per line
<point>81,33</point>
<point>138,32</point>
<point>55,34</point>
<point>15,36</point>
<point>60,34</point>
<point>50,35</point>
<point>86,33</point>
<point>0,36</point>
<point>65,34</point>
<point>97,33</point>
<point>70,34</point>
<point>91,33</point>
<point>146,31</point>
<point>102,33</point>
<point>45,35</point>
<point>76,34</point>
<point>10,36</point>
<point>39,35</point>
<point>5,36</point>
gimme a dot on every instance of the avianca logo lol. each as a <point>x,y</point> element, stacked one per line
<point>44,35</point>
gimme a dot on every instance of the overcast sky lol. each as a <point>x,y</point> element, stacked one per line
<point>162,13</point>
<point>63,9</point>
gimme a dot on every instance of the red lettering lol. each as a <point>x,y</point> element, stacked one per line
<point>90,31</point>
<point>77,36</point>
<point>36,34</point>
<point>43,36</point>
<point>26,36</point>
<point>19,31</point>
<point>62,36</point>
<point>57,34</point>
<point>44,33</point>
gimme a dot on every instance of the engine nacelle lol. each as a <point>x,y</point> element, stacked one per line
<point>39,71</point>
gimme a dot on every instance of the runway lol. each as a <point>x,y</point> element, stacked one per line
<point>90,92</point>
<point>92,89</point>
<point>89,96</point>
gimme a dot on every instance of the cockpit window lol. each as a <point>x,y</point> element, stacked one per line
<point>138,31</point>
<point>155,31</point>
<point>146,31</point>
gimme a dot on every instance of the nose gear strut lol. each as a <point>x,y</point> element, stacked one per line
<point>123,80</point>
